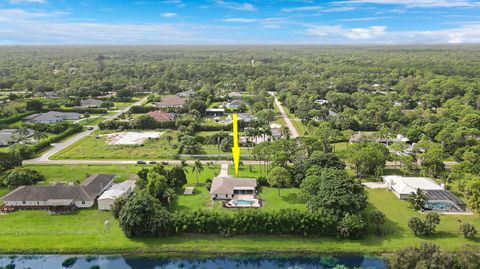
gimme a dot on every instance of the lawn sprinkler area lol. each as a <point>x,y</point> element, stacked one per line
<point>130,138</point>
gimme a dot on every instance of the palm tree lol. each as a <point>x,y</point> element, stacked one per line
<point>184,166</point>
<point>169,194</point>
<point>417,199</point>
<point>169,139</point>
<point>197,168</point>
<point>40,135</point>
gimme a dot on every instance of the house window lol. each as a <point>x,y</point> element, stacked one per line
<point>23,202</point>
<point>83,202</point>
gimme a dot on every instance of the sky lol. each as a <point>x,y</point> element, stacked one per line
<point>229,22</point>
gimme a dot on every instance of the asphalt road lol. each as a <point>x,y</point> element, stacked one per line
<point>291,127</point>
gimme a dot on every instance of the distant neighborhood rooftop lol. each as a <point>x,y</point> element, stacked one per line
<point>171,101</point>
<point>52,117</point>
<point>161,115</point>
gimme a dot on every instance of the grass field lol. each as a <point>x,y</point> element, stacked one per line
<point>84,230</point>
<point>93,147</point>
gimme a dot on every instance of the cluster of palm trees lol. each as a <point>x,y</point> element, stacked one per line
<point>197,168</point>
<point>252,134</point>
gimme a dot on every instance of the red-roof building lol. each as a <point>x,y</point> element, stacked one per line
<point>161,115</point>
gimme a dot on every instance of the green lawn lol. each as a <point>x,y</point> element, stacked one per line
<point>341,149</point>
<point>84,231</point>
<point>92,121</point>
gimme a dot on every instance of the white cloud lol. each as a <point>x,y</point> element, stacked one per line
<point>23,27</point>
<point>418,3</point>
<point>169,14</point>
<point>364,19</point>
<point>240,20</point>
<point>304,8</point>
<point>236,6</point>
<point>27,1</point>
<point>380,35</point>
<point>352,33</point>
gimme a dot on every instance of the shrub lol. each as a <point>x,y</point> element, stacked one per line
<point>21,176</point>
<point>425,227</point>
<point>377,218</point>
<point>416,225</point>
<point>143,215</point>
<point>117,206</point>
<point>468,230</point>
<point>351,226</point>
<point>262,181</point>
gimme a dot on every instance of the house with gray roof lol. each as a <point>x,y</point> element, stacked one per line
<point>185,94</point>
<point>235,104</point>
<point>91,103</point>
<point>52,117</point>
<point>60,197</point>
<point>10,136</point>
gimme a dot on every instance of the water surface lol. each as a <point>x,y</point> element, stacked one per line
<point>117,262</point>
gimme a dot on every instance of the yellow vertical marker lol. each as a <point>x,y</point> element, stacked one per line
<point>235,148</point>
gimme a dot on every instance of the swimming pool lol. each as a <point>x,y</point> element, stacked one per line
<point>440,206</point>
<point>243,202</point>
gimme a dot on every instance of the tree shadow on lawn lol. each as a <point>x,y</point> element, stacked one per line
<point>389,231</point>
<point>292,198</point>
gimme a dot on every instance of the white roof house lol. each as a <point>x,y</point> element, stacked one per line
<point>404,186</point>
<point>321,101</point>
<point>105,201</point>
<point>227,187</point>
<point>276,130</point>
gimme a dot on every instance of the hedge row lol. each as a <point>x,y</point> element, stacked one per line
<point>46,143</point>
<point>16,117</point>
<point>283,221</point>
<point>91,110</point>
<point>141,109</point>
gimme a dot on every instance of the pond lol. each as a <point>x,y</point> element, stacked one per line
<point>117,262</point>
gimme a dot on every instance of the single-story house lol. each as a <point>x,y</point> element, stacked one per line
<point>321,101</point>
<point>438,198</point>
<point>59,198</point>
<point>276,130</point>
<point>52,117</point>
<point>240,117</point>
<point>214,112</point>
<point>185,94</point>
<point>8,136</point>
<point>235,95</point>
<point>402,187</point>
<point>171,101</point>
<point>356,137</point>
<point>235,104</point>
<point>123,189</point>
<point>50,94</point>
<point>161,115</point>
<point>225,188</point>
<point>87,103</point>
